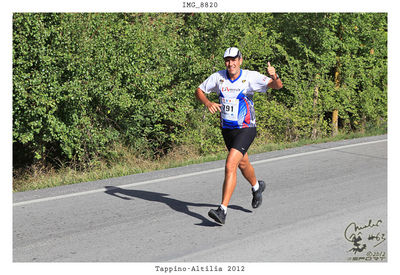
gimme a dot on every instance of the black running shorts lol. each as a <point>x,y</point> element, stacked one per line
<point>240,139</point>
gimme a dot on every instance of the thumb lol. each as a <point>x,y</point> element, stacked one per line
<point>269,64</point>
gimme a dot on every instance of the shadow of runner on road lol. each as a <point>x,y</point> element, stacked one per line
<point>177,205</point>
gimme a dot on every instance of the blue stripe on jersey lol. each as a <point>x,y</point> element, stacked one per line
<point>240,95</point>
<point>229,124</point>
<point>244,109</point>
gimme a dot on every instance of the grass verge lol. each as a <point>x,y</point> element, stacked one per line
<point>128,163</point>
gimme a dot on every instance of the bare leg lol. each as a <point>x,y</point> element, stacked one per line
<point>231,165</point>
<point>247,170</point>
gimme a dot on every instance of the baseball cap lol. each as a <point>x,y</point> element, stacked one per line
<point>232,52</point>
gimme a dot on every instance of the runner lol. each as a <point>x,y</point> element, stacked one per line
<point>235,88</point>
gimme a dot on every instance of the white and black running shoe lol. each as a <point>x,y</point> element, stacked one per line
<point>217,215</point>
<point>257,195</point>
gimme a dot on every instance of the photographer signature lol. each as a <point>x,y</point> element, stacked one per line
<point>354,234</point>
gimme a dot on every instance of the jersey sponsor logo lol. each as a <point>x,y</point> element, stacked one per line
<point>221,80</point>
<point>244,80</point>
<point>227,89</point>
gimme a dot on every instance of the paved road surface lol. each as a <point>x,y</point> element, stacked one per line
<point>314,194</point>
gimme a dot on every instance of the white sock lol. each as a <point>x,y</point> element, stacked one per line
<point>256,186</point>
<point>224,208</point>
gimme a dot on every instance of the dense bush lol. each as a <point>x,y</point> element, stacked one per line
<point>84,82</point>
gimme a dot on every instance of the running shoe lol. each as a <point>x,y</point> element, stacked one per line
<point>257,195</point>
<point>217,215</point>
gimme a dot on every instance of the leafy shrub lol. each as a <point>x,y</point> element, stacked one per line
<point>84,82</point>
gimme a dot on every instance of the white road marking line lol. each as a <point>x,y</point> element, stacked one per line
<point>190,174</point>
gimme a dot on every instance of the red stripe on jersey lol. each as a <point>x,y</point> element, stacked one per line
<point>247,117</point>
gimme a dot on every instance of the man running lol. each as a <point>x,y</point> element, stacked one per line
<point>235,88</point>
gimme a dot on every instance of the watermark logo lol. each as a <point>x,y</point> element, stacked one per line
<point>365,240</point>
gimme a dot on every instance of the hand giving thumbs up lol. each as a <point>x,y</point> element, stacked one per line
<point>271,71</point>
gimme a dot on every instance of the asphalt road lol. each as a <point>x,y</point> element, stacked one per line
<point>324,202</point>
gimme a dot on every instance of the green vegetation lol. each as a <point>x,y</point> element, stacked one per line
<point>109,94</point>
<point>128,163</point>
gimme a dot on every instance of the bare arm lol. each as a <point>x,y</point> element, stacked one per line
<point>275,82</point>
<point>211,106</point>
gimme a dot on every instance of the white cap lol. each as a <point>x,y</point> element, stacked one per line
<point>232,52</point>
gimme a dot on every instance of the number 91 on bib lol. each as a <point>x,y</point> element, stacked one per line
<point>230,109</point>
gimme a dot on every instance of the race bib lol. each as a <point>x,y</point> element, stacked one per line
<point>230,109</point>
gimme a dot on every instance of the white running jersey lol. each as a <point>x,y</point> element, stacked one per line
<point>236,96</point>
